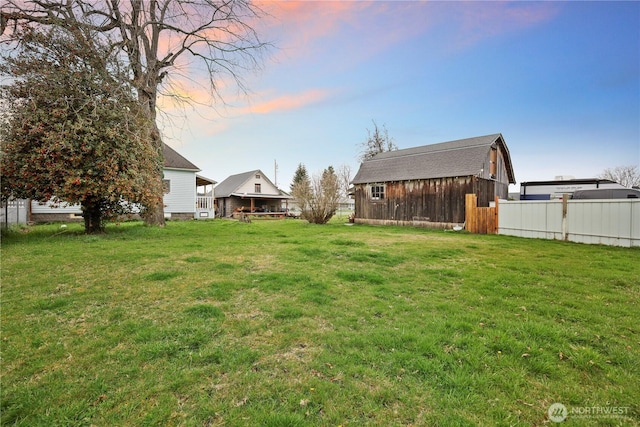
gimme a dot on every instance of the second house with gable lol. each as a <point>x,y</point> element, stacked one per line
<point>248,192</point>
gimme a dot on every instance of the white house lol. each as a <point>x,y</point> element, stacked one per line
<point>187,195</point>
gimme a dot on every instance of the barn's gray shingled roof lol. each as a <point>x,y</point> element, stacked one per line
<point>173,160</point>
<point>463,157</point>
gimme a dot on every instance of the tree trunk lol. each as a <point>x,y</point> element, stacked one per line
<point>154,213</point>
<point>92,214</point>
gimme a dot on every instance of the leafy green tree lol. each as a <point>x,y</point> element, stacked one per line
<point>73,132</point>
<point>318,197</point>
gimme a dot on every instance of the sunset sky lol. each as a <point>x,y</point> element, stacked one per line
<point>559,80</point>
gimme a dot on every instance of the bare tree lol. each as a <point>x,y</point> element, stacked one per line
<point>318,197</point>
<point>377,142</point>
<point>344,177</point>
<point>627,176</point>
<point>153,36</point>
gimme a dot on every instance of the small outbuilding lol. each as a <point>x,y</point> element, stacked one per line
<point>426,186</point>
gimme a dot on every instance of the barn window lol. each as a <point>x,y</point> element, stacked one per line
<point>258,188</point>
<point>377,191</point>
<point>493,162</point>
<point>166,186</point>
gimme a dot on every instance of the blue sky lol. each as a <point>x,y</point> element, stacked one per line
<point>559,80</point>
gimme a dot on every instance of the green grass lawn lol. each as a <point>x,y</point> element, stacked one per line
<point>285,323</point>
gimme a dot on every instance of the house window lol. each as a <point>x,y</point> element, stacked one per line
<point>377,191</point>
<point>166,186</point>
<point>257,176</point>
<point>258,188</point>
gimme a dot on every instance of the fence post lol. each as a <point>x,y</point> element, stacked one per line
<point>496,217</point>
<point>565,203</point>
<point>469,214</point>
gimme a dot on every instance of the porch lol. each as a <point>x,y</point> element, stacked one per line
<point>204,198</point>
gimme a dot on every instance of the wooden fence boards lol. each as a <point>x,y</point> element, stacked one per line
<point>480,220</point>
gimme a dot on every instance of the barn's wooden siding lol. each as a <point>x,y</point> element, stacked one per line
<point>440,202</point>
<point>495,168</point>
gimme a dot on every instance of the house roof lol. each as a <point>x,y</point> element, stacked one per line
<point>230,186</point>
<point>174,160</point>
<point>203,180</point>
<point>463,157</point>
<point>232,183</point>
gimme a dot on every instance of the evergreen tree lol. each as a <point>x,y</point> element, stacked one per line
<point>300,175</point>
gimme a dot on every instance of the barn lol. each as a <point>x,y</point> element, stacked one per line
<point>426,186</point>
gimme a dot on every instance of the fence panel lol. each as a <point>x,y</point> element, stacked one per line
<point>535,219</point>
<point>608,222</point>
<point>14,211</point>
<point>604,222</point>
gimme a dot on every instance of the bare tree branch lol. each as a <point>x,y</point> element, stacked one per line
<point>377,142</point>
<point>627,176</point>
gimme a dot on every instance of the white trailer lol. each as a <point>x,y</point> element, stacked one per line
<point>550,190</point>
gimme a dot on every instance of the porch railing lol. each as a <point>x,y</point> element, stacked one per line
<point>204,203</point>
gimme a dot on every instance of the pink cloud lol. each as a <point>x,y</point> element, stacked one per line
<point>301,28</point>
<point>304,27</point>
<point>309,19</point>
<point>289,102</point>
<point>345,33</point>
<point>476,21</point>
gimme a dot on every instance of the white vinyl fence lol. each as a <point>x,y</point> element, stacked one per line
<point>606,222</point>
<point>14,211</point>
